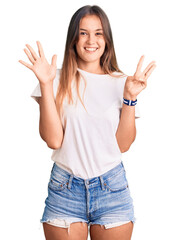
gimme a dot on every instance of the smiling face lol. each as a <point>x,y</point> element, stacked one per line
<point>91,44</point>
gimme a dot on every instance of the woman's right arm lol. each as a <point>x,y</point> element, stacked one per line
<point>50,127</point>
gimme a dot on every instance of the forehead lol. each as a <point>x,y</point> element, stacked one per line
<point>90,22</point>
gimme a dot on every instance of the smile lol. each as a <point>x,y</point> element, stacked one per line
<point>90,49</point>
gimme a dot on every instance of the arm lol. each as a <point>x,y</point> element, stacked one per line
<point>50,126</point>
<point>126,131</point>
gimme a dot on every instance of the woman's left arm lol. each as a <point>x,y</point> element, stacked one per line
<point>126,131</point>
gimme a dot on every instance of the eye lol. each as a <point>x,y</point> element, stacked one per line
<point>82,33</point>
<point>99,33</point>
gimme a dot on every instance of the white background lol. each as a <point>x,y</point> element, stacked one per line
<point>139,27</point>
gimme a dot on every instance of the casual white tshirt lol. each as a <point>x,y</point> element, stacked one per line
<point>89,147</point>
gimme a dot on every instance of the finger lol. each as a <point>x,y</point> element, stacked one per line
<point>54,60</point>
<point>29,55</point>
<point>139,77</point>
<point>139,65</point>
<point>26,64</point>
<point>40,49</point>
<point>148,67</point>
<point>32,52</point>
<point>150,71</point>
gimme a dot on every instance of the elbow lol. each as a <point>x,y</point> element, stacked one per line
<point>125,147</point>
<point>125,142</point>
<point>53,145</point>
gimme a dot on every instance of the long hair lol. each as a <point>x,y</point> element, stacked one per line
<point>69,72</point>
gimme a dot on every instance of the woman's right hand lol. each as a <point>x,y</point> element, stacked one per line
<point>44,71</point>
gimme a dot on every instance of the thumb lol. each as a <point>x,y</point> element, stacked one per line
<point>54,60</point>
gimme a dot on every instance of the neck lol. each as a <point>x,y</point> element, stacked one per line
<point>91,67</point>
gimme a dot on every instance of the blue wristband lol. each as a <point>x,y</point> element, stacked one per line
<point>129,102</point>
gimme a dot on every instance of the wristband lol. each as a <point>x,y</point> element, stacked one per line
<point>129,102</point>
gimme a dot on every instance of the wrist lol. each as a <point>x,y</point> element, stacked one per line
<point>129,102</point>
<point>129,96</point>
<point>46,84</point>
<point>46,88</point>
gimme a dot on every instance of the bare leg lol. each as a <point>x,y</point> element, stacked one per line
<point>78,231</point>
<point>122,232</point>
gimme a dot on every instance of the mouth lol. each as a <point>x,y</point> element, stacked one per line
<point>90,49</point>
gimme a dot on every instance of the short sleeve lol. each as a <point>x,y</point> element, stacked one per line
<point>36,93</point>
<point>137,111</point>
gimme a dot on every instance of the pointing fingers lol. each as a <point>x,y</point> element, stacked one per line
<point>148,67</point>
<point>142,76</point>
<point>150,70</point>
<point>139,65</point>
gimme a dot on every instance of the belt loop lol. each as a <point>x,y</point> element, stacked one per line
<point>70,181</point>
<point>123,166</point>
<point>53,166</point>
<point>101,180</point>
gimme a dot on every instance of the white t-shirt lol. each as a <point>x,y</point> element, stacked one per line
<point>89,147</point>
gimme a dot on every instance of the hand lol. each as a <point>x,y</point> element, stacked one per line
<point>135,84</point>
<point>41,68</point>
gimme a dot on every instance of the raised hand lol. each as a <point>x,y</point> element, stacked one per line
<point>44,71</point>
<point>135,84</point>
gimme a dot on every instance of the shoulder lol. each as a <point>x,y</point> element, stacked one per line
<point>119,76</point>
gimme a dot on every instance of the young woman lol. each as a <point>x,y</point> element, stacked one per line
<point>87,116</point>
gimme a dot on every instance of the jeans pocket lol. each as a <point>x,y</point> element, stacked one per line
<point>117,182</point>
<point>57,182</point>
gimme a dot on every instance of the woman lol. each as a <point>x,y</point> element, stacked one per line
<point>88,183</point>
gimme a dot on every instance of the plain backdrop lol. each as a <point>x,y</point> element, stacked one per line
<point>139,27</point>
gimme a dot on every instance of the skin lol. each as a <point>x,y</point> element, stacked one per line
<point>126,132</point>
<point>90,36</point>
<point>50,126</point>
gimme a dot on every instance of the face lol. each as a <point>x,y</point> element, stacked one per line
<point>91,44</point>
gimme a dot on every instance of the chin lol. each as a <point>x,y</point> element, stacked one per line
<point>90,58</point>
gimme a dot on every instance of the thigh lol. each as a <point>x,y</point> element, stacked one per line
<point>78,231</point>
<point>122,232</point>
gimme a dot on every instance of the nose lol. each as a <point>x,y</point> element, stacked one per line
<point>91,39</point>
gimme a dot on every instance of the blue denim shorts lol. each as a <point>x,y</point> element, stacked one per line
<point>103,200</point>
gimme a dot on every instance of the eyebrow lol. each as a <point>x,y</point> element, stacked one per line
<point>99,29</point>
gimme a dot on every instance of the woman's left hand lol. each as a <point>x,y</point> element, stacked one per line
<point>135,84</point>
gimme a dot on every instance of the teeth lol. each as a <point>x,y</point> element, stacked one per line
<point>91,49</point>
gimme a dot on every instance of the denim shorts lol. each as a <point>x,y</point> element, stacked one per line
<point>103,200</point>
